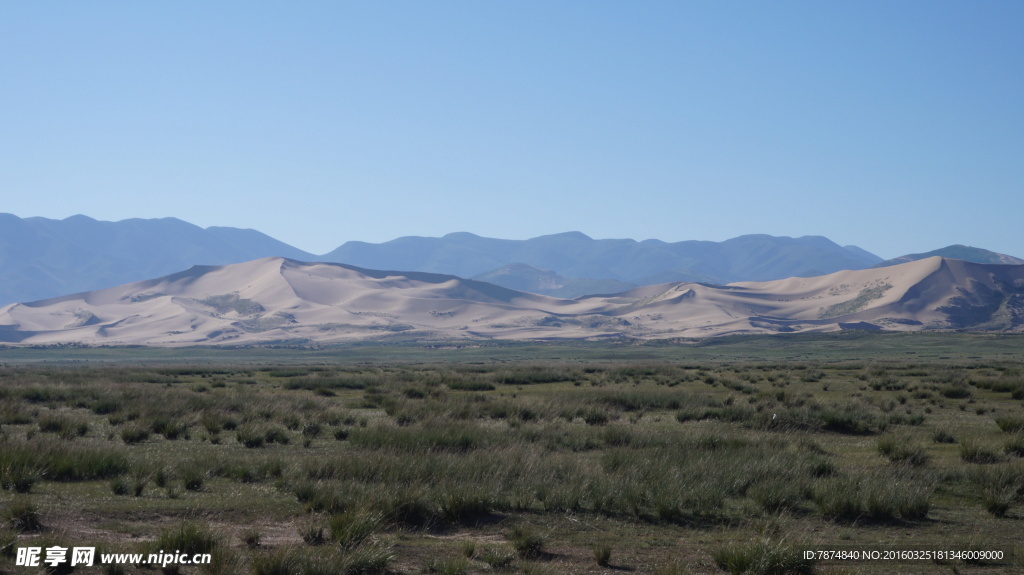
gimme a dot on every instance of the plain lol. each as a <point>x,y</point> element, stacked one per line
<point>733,455</point>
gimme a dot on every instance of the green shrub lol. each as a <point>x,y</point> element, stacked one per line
<point>23,516</point>
<point>284,561</point>
<point>320,497</point>
<point>1000,487</point>
<point>171,429</point>
<point>900,450</point>
<point>430,435</point>
<point>371,560</point>
<point>470,386</point>
<point>85,464</point>
<point>19,474</point>
<point>973,452</point>
<point>50,423</point>
<point>451,566</point>
<point>192,477</point>
<point>276,434</point>
<point>252,537</point>
<point>1010,424</point>
<point>603,555</point>
<point>762,558</point>
<point>187,537</point>
<point>906,419</point>
<point>312,532</point>
<point>497,559</point>
<point>873,497</point>
<point>250,436</point>
<point>351,528</point>
<point>779,495</point>
<point>530,375</point>
<point>462,504</point>
<point>63,425</point>
<point>22,461</point>
<point>526,542</point>
<point>849,419</point>
<point>407,508</point>
<point>955,392</point>
<point>139,482</point>
<point>997,500</point>
<point>839,499</point>
<point>1015,445</point>
<point>594,416</point>
<point>367,560</point>
<point>134,434</point>
<point>311,430</point>
<point>119,486</point>
<point>292,421</point>
<point>211,422</point>
<point>106,406</point>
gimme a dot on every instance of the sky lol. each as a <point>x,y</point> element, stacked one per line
<point>896,126</point>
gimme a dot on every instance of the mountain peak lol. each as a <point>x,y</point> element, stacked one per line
<point>958,252</point>
<point>79,218</point>
<point>565,236</point>
<point>460,236</point>
<point>48,258</point>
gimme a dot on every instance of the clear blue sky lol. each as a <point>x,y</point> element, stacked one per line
<point>896,126</point>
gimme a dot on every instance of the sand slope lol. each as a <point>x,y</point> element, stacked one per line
<point>282,300</point>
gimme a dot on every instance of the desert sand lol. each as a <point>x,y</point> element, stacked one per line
<point>281,300</point>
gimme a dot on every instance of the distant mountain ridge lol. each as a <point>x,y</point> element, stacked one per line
<point>277,300</point>
<point>42,258</point>
<point>957,252</point>
<point>575,255</point>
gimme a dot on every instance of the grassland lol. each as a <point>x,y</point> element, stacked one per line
<point>730,456</point>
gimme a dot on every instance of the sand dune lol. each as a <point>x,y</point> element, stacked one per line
<point>281,300</point>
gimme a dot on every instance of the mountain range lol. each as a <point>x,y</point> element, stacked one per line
<point>43,258</point>
<point>957,252</point>
<point>278,300</point>
<point>575,255</point>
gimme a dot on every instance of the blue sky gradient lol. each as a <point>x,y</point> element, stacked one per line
<point>896,126</point>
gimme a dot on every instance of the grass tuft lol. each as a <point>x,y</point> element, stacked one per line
<point>878,497</point>
<point>973,452</point>
<point>497,559</point>
<point>312,532</point>
<point>902,450</point>
<point>603,555</point>
<point>252,537</point>
<point>451,566</point>
<point>1000,487</point>
<point>119,486</point>
<point>765,557</point>
<point>527,543</point>
<point>188,537</point>
<point>23,516</point>
<point>133,434</point>
<point>1015,445</point>
<point>353,527</point>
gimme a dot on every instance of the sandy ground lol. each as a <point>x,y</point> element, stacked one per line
<point>275,299</point>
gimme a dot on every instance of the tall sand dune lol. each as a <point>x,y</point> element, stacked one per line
<point>282,300</point>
